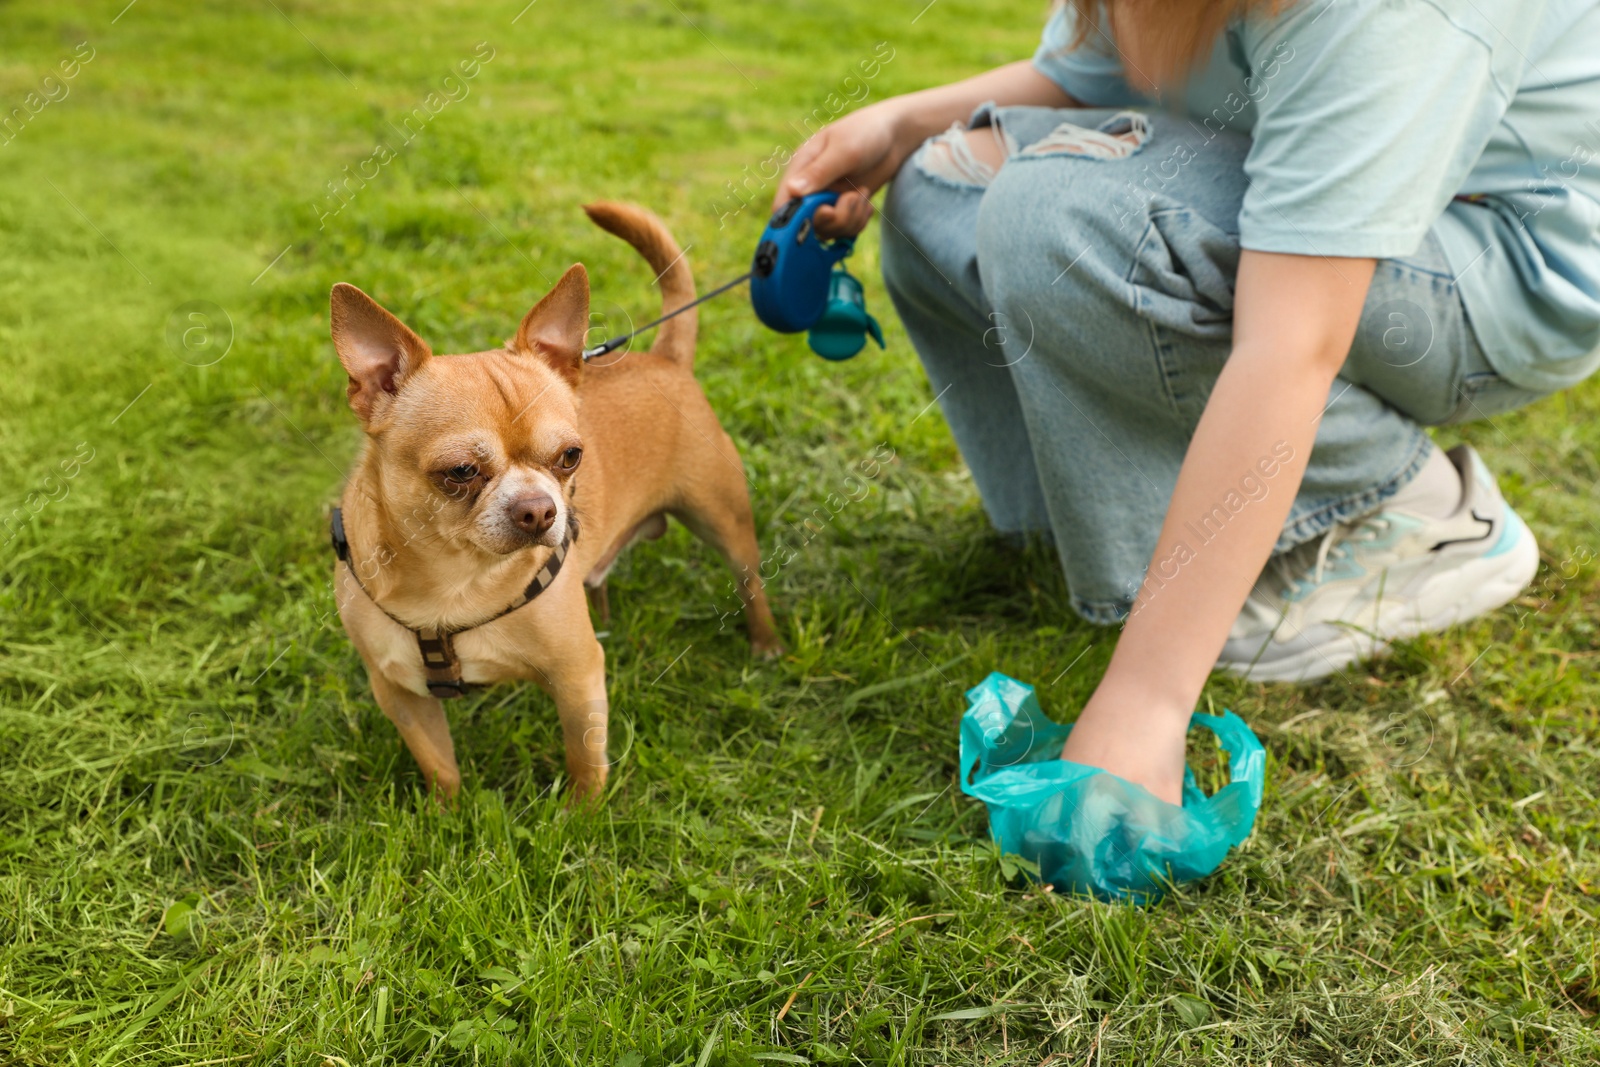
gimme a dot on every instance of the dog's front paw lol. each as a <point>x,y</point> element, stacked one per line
<point>766,649</point>
<point>586,787</point>
<point>445,786</point>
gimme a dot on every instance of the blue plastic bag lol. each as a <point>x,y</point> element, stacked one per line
<point>1088,830</point>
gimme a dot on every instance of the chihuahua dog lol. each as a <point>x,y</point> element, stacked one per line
<point>494,486</point>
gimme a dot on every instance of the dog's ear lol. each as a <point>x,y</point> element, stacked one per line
<point>554,330</point>
<point>379,352</point>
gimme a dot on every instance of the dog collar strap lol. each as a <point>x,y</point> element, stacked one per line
<point>439,659</point>
<point>440,663</point>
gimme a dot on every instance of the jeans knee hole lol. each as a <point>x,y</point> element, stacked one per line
<point>1118,137</point>
<point>949,157</point>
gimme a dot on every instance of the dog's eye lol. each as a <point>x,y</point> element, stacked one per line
<point>569,458</point>
<point>461,475</point>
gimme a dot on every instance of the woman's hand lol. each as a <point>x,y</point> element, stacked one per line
<point>1134,737</point>
<point>854,156</point>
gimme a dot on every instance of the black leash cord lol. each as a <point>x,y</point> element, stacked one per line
<point>617,342</point>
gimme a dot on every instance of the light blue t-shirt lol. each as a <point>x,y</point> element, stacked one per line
<point>1373,121</point>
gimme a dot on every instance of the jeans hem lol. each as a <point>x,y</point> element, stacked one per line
<point>1101,612</point>
<point>1329,515</point>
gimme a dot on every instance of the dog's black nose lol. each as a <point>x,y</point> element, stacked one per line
<point>534,514</point>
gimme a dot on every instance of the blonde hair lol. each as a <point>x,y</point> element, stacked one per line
<point>1162,40</point>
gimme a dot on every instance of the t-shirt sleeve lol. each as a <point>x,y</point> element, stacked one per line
<point>1370,114</point>
<point>1091,72</point>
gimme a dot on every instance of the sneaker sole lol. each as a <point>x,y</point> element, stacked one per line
<point>1475,588</point>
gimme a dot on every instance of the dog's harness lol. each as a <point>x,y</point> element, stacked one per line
<point>439,659</point>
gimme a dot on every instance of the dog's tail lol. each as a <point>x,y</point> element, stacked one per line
<point>647,233</point>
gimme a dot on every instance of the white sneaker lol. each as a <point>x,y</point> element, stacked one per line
<point>1380,578</point>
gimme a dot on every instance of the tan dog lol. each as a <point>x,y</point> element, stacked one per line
<point>483,473</point>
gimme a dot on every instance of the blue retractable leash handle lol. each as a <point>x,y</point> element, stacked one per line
<point>797,282</point>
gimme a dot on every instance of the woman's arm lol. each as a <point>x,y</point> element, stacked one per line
<point>859,153</point>
<point>1294,320</point>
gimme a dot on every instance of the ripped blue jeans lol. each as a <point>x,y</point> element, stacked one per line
<point>1074,307</point>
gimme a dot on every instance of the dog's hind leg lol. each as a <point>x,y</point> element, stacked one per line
<point>600,600</point>
<point>595,583</point>
<point>426,732</point>
<point>716,509</point>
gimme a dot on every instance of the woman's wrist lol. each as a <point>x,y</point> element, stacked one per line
<point>1142,698</point>
<point>905,125</point>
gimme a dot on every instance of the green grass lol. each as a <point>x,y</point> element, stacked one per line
<point>213,848</point>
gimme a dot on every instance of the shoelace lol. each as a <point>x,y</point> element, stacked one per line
<point>1302,565</point>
